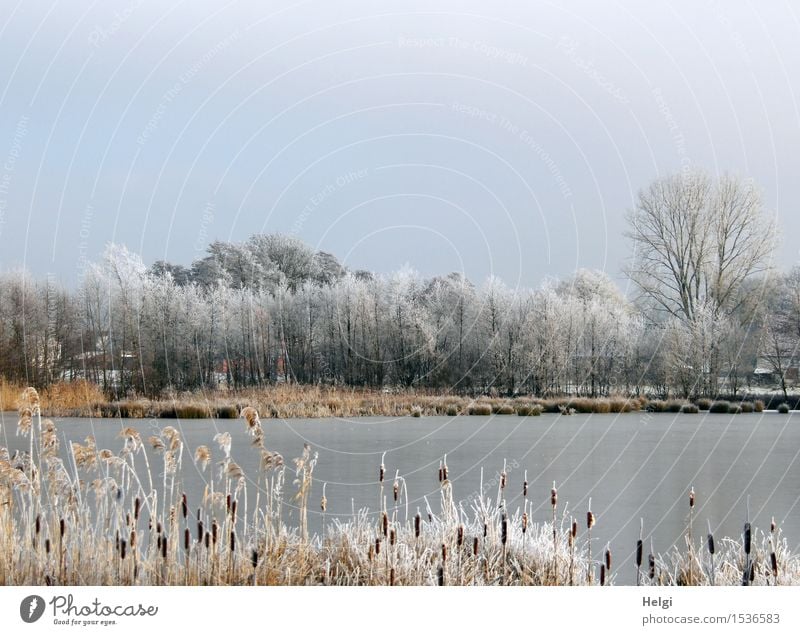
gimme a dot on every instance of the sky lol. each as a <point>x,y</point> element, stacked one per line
<point>503,138</point>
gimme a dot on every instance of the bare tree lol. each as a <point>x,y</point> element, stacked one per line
<point>696,241</point>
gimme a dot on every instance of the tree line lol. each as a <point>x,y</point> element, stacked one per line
<point>271,309</point>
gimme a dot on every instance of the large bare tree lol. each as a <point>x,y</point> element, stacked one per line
<point>696,240</point>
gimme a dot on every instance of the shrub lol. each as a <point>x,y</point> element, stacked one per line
<point>704,404</point>
<point>505,409</point>
<point>416,411</point>
<point>746,406</point>
<point>784,408</point>
<point>758,405</point>
<point>674,405</point>
<point>529,410</point>
<point>452,410</point>
<point>657,406</point>
<point>623,405</point>
<point>720,407</point>
<point>227,412</point>
<point>735,409</point>
<point>481,409</point>
<point>690,409</point>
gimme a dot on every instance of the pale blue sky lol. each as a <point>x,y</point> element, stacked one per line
<point>505,138</point>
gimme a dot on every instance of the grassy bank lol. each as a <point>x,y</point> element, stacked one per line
<point>84,399</point>
<point>106,517</point>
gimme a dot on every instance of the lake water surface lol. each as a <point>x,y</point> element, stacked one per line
<point>633,466</point>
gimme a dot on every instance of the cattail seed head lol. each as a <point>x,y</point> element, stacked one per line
<point>460,536</point>
<point>62,527</point>
<point>391,577</point>
<point>214,531</point>
<point>440,576</point>
<point>444,552</point>
<point>381,473</point>
<point>187,537</point>
<point>116,541</point>
<point>158,527</point>
<point>485,529</point>
<point>444,470</point>
<point>773,560</point>
<point>38,524</point>
<point>475,545</point>
<point>772,525</point>
<point>207,540</point>
<point>128,519</point>
<point>371,552</point>
<point>123,546</point>
<point>184,506</point>
<point>524,522</point>
<point>691,499</point>
<point>200,531</point>
<point>639,550</point>
<point>524,489</point>
<point>602,575</point>
<point>47,546</point>
<point>417,525</point>
<point>589,520</point>
<point>608,559</point>
<point>553,496</point>
<point>377,546</point>
<point>396,490</point>
<point>504,530</point>
<point>164,548</point>
<point>254,558</point>
<point>441,472</point>
<point>503,480</point>
<point>385,524</point>
<point>574,532</point>
<point>651,561</point>
<point>228,503</point>
<point>711,544</point>
<point>747,538</point>
<point>392,537</point>
<point>233,540</point>
<point>137,505</point>
<point>133,538</point>
<point>234,504</point>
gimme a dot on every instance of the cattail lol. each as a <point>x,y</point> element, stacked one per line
<point>392,537</point>
<point>524,522</point>
<point>608,559</point>
<point>234,503</point>
<point>128,519</point>
<point>525,489</point>
<point>214,530</point>
<point>711,544</point>
<point>602,575</point>
<point>485,529</point>
<point>385,524</point>
<point>377,546</point>
<point>391,576</point>
<point>747,538</point>
<point>773,560</point>
<point>574,532</point>
<point>164,548</point>
<point>228,503</point>
<point>371,552</point>
<point>553,496</point>
<point>184,506</point>
<point>187,537</point>
<point>207,540</point>
<point>440,576</point>
<point>772,526</point>
<point>62,527</point>
<point>503,480</point>
<point>639,550</point>
<point>444,469</point>
<point>651,561</point>
<point>254,558</point>
<point>691,499</point>
<point>137,504</point>
<point>460,536</point>
<point>381,472</point>
<point>133,538</point>
<point>396,490</point>
<point>430,518</point>
<point>200,531</point>
<point>475,544</point>
<point>323,503</point>
<point>444,553</point>
<point>47,546</point>
<point>38,524</point>
<point>116,541</point>
<point>441,472</point>
<point>158,527</point>
<point>504,530</point>
<point>589,519</point>
<point>233,540</point>
<point>123,545</point>
<point>417,525</point>
<point>753,566</point>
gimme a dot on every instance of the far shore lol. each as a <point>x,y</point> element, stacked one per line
<point>83,399</point>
